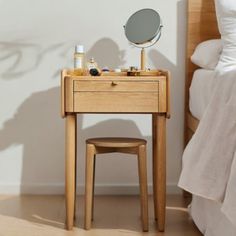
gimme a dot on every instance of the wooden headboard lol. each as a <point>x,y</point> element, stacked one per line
<point>201,26</point>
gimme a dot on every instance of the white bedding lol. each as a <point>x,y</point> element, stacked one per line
<point>209,218</point>
<point>207,214</point>
<point>200,91</point>
<point>209,160</point>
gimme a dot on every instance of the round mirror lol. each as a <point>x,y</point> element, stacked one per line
<point>143,27</point>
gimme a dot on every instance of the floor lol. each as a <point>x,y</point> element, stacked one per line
<point>114,215</point>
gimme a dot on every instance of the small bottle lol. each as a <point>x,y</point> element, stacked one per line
<point>79,60</point>
<point>91,64</point>
<point>92,67</point>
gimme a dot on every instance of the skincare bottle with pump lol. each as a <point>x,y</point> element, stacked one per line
<point>79,60</point>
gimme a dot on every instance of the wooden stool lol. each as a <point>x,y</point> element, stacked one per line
<point>123,145</point>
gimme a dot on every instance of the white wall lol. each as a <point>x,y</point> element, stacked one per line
<point>37,40</point>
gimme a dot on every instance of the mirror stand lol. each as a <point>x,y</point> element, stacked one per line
<point>143,30</point>
<point>143,59</point>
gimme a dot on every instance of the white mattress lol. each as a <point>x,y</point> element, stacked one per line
<point>209,219</point>
<point>200,91</point>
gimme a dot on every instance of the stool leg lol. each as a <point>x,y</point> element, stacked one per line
<point>142,167</point>
<point>94,167</point>
<point>75,187</point>
<point>90,151</point>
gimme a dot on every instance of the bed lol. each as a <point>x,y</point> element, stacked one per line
<point>201,14</point>
<point>206,213</point>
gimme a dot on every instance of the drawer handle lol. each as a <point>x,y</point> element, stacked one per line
<point>113,83</point>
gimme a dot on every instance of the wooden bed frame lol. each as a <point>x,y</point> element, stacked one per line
<point>201,26</point>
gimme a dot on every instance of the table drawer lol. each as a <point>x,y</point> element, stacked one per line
<point>117,86</point>
<point>139,102</point>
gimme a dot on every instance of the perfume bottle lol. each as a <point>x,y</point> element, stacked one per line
<point>92,64</point>
<point>92,67</point>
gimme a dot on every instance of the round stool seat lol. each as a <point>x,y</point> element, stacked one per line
<point>116,142</point>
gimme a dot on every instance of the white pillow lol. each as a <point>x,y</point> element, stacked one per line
<point>226,17</point>
<point>207,54</point>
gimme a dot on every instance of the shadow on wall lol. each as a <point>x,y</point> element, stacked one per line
<point>24,58</point>
<point>14,52</point>
<point>38,127</point>
<point>37,124</point>
<point>107,53</point>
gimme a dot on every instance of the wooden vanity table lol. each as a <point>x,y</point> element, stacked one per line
<point>117,93</point>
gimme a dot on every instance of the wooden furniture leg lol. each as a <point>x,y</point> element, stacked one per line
<point>160,170</point>
<point>154,151</point>
<point>94,168</point>
<point>90,152</point>
<point>75,168</point>
<point>70,169</point>
<point>142,168</point>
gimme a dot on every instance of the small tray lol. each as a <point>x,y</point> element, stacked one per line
<point>123,73</point>
<point>133,73</point>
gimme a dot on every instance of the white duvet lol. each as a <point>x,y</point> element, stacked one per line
<point>200,91</point>
<point>209,160</point>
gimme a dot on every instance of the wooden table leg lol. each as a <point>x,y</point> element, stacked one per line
<point>75,167</point>
<point>160,169</point>
<point>154,151</point>
<point>70,169</point>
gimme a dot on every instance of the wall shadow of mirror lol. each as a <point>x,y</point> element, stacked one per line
<point>106,52</point>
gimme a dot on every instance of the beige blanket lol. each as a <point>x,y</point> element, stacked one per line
<point>209,160</point>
